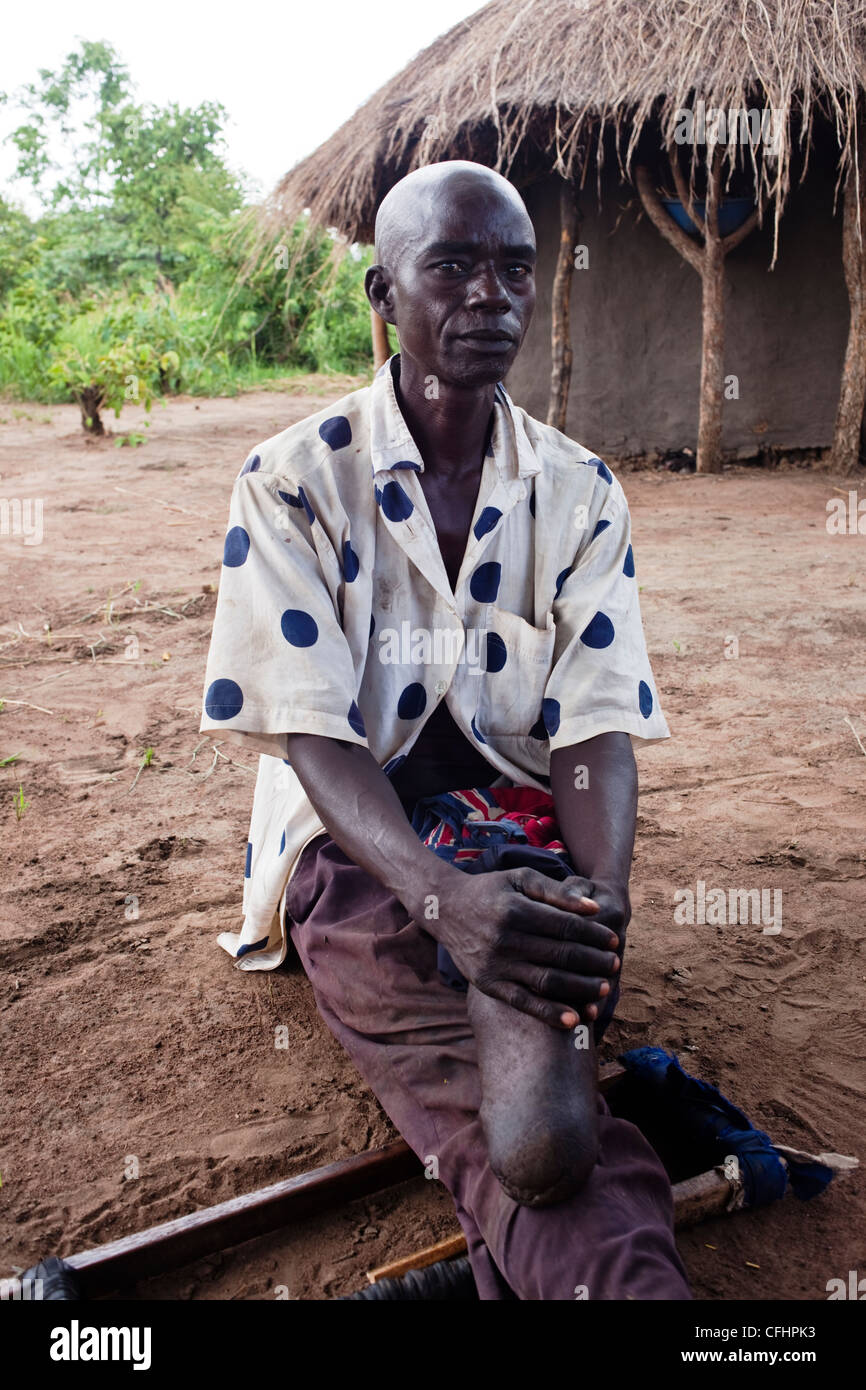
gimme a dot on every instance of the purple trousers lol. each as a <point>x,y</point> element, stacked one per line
<point>374,973</point>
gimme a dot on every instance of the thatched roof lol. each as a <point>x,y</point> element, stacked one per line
<point>532,84</point>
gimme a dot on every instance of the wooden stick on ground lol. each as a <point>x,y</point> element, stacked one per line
<point>696,1199</point>
<point>180,1242</point>
<point>173,1244</point>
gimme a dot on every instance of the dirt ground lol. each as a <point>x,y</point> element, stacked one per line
<point>131,1045</point>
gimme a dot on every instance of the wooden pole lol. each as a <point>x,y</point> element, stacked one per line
<point>709,453</point>
<point>560,334</point>
<point>175,1243</point>
<point>852,397</point>
<point>187,1238</point>
<point>696,1199</point>
<point>708,260</point>
<point>379,333</point>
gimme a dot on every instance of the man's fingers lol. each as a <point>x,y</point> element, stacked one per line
<point>547,983</point>
<point>570,895</point>
<point>532,915</point>
<point>571,957</point>
<point>557,1015</point>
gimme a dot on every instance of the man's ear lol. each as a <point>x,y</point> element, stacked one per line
<point>379,291</point>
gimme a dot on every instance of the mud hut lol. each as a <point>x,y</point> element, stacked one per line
<point>696,172</point>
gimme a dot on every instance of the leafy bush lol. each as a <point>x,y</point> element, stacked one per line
<point>127,371</point>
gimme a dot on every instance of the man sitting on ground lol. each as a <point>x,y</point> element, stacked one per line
<point>425,591</point>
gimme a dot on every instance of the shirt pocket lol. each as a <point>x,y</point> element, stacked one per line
<point>518,659</point>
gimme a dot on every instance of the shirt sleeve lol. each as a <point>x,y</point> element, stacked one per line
<point>601,679</point>
<point>279,661</point>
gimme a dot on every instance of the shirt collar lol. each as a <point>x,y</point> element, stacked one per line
<point>392,445</point>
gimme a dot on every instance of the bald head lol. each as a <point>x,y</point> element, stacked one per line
<point>406,213</point>
<point>455,272</point>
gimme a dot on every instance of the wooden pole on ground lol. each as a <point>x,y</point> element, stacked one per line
<point>176,1243</point>
<point>560,332</point>
<point>709,261</point>
<point>160,1249</point>
<point>852,397</point>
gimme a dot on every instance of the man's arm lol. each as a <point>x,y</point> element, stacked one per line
<point>594,786</point>
<point>518,935</point>
<point>363,814</point>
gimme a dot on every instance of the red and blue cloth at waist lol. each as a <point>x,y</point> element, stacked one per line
<point>459,826</point>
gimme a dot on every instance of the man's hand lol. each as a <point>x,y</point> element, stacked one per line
<point>531,941</point>
<point>614,907</point>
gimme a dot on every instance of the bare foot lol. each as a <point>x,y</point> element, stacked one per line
<point>538,1108</point>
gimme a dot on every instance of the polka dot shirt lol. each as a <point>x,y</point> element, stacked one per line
<point>335,616</point>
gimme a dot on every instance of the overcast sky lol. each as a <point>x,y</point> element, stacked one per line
<point>288,74</point>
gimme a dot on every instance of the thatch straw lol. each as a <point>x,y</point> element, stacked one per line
<point>531,86</point>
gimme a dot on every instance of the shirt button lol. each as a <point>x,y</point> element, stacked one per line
<point>441,687</point>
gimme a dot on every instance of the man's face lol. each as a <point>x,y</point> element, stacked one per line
<point>463,282</point>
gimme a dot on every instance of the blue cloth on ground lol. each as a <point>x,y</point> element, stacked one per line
<point>684,1103</point>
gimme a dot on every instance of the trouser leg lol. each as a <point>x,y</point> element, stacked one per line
<point>374,974</point>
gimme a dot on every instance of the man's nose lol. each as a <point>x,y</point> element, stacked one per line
<point>487,290</point>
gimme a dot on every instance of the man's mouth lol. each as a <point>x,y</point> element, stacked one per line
<point>489,335</point>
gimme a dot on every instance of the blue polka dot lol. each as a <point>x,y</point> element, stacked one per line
<point>292,500</point>
<point>311,515</point>
<point>407,463</point>
<point>299,628</point>
<point>598,633</point>
<point>378,494</point>
<point>599,527</point>
<point>283,842</point>
<point>253,946</point>
<point>394,763</point>
<point>337,432</point>
<point>550,715</point>
<point>412,701</point>
<point>560,580</point>
<point>249,861</point>
<point>645,699</point>
<point>538,730</point>
<point>356,721</point>
<point>497,653</point>
<point>372,626</point>
<point>532,501</point>
<point>603,471</point>
<point>489,518</point>
<point>224,700</point>
<point>395,504</point>
<point>252,465</point>
<point>484,584</point>
<point>628,567</point>
<point>287,763</point>
<point>474,728</point>
<point>351,563</point>
<point>237,547</point>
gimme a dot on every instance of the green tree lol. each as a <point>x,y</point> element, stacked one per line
<point>69,106</point>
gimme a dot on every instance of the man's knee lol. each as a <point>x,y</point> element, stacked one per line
<point>546,1167</point>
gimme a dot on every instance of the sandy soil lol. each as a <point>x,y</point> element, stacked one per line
<point>130,1037</point>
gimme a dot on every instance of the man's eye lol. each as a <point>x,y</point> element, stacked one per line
<point>448,265</point>
<point>521,269</point>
